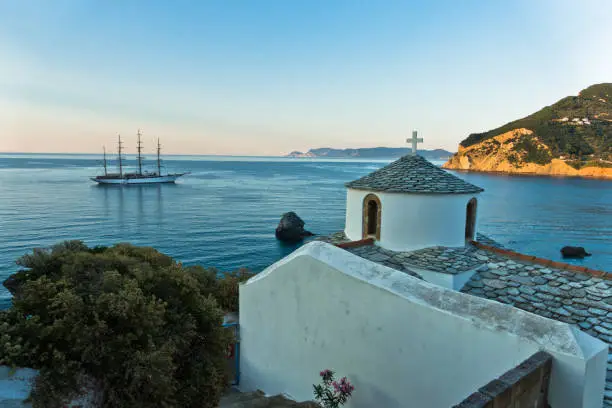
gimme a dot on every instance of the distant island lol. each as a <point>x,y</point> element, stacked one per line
<point>371,153</point>
<point>572,137</point>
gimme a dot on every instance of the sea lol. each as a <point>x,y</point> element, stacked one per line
<point>224,213</point>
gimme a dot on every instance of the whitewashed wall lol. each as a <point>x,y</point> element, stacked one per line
<point>401,341</point>
<point>412,221</point>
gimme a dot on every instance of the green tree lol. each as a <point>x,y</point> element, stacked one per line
<point>128,322</point>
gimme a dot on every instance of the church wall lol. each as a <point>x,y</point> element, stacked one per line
<point>354,213</point>
<point>412,221</point>
<point>401,341</point>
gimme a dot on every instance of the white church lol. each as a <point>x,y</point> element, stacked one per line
<point>417,310</point>
<point>411,204</point>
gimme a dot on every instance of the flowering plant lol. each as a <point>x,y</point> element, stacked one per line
<point>331,393</point>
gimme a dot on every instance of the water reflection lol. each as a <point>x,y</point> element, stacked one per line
<point>118,200</point>
<point>140,215</point>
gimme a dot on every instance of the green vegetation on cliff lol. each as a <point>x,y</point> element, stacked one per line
<point>562,127</point>
<point>126,324</point>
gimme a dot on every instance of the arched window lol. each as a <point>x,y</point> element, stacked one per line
<point>371,216</point>
<point>470,219</point>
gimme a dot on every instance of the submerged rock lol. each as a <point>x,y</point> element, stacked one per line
<point>574,252</point>
<point>291,228</point>
<point>13,283</point>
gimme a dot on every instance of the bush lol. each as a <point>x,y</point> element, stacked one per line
<point>533,153</point>
<point>130,322</point>
<point>577,164</point>
<point>514,159</point>
<point>331,393</point>
<point>224,286</point>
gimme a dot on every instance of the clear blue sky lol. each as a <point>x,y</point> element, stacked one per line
<point>268,77</point>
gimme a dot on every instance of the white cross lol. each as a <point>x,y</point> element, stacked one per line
<point>414,140</point>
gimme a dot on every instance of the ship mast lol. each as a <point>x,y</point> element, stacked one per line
<point>105,170</point>
<point>158,159</point>
<point>139,154</point>
<point>120,163</point>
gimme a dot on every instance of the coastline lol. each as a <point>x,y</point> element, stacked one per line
<point>500,155</point>
<point>556,168</point>
<point>531,174</point>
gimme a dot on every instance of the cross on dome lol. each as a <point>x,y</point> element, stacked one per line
<point>414,140</point>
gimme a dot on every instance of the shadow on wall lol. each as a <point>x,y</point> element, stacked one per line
<point>375,397</point>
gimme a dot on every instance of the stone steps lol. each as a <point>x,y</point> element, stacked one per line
<point>258,399</point>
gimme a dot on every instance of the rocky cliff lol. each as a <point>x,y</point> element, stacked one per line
<point>500,154</point>
<point>572,137</point>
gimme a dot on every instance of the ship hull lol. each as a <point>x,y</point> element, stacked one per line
<point>170,178</point>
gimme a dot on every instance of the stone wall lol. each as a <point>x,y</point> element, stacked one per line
<point>525,386</point>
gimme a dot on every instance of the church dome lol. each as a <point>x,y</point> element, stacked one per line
<point>411,204</point>
<point>413,174</point>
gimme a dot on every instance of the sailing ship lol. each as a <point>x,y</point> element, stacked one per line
<point>140,177</point>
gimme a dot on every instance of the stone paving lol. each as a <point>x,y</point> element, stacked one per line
<point>445,260</point>
<point>335,238</point>
<point>437,259</point>
<point>570,297</point>
<point>235,399</point>
<point>395,260</point>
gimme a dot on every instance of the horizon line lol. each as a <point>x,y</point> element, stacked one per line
<point>230,155</point>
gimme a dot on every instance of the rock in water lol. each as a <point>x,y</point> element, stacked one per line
<point>12,284</point>
<point>574,252</point>
<point>291,228</point>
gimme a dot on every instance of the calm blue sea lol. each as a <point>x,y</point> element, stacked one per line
<point>224,213</point>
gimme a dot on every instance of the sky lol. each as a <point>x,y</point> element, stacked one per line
<point>268,77</point>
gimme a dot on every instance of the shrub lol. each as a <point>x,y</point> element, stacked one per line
<point>514,159</point>
<point>331,393</point>
<point>139,328</point>
<point>533,153</point>
<point>222,286</point>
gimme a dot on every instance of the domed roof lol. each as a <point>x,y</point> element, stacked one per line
<point>413,174</point>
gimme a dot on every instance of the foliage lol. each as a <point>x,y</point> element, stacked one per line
<point>513,159</point>
<point>597,163</point>
<point>577,164</point>
<point>139,328</point>
<point>224,287</point>
<point>567,138</point>
<point>533,152</point>
<point>331,393</point>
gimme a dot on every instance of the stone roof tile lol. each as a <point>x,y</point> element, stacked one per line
<point>413,174</point>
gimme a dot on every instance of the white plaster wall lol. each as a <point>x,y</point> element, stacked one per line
<point>412,221</point>
<point>353,226</point>
<point>401,341</point>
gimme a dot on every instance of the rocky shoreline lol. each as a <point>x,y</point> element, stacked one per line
<point>500,155</point>
<point>598,173</point>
